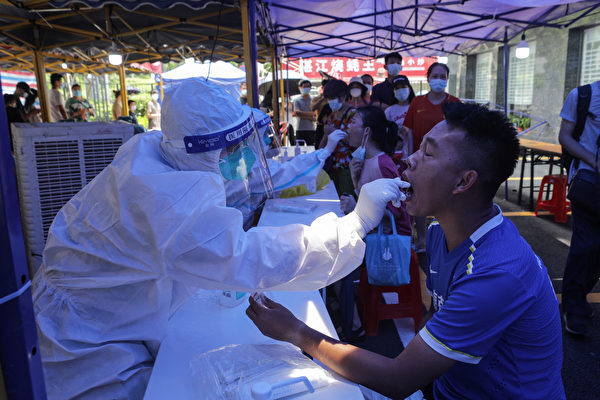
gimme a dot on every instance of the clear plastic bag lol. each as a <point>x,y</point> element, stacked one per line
<point>231,372</point>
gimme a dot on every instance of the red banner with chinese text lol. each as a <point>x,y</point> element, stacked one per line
<point>347,68</point>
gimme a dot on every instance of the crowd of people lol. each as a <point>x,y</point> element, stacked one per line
<point>23,106</point>
<point>336,105</point>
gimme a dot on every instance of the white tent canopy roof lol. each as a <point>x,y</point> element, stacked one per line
<point>372,28</point>
<point>221,72</point>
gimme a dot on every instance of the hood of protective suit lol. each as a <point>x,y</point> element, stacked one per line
<point>195,107</point>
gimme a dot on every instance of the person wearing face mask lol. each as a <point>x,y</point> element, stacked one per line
<point>320,106</point>
<point>12,113</point>
<point>132,110</point>
<point>24,91</point>
<point>243,93</point>
<point>153,111</point>
<point>57,104</point>
<point>383,93</point>
<point>358,93</point>
<point>79,108</point>
<point>374,137</point>
<point>32,111</point>
<point>403,95</point>
<point>338,166</point>
<point>154,226</point>
<point>423,114</point>
<point>367,80</point>
<point>304,118</point>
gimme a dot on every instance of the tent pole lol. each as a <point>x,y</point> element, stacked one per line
<point>160,83</point>
<point>40,77</point>
<point>274,90</point>
<point>287,88</point>
<point>250,50</point>
<point>506,92</point>
<point>125,110</point>
<point>281,90</point>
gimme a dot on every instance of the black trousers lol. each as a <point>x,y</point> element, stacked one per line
<point>583,263</point>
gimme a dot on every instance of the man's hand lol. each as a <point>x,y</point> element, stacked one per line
<point>274,320</point>
<point>566,139</point>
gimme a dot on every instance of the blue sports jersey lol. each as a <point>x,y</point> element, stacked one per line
<point>496,314</point>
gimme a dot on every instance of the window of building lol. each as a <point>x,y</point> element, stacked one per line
<point>590,57</point>
<point>520,78</point>
<point>483,77</point>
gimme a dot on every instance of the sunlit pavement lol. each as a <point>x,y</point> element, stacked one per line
<point>551,241</point>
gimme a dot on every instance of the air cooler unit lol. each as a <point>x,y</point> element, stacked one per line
<point>54,162</point>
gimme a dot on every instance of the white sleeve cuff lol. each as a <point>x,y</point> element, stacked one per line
<point>446,351</point>
<point>354,222</point>
<point>322,154</point>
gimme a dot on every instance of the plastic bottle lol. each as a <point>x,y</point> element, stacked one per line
<point>285,154</point>
<point>297,149</point>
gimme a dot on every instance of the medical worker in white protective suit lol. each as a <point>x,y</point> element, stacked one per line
<point>134,244</point>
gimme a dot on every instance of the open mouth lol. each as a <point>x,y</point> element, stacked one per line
<point>408,192</point>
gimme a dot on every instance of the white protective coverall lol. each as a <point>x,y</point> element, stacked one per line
<point>133,245</point>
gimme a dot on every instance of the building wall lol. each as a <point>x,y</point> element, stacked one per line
<point>556,71</point>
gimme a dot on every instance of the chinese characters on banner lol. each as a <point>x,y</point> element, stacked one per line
<point>346,68</point>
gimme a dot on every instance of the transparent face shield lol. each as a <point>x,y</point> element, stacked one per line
<point>242,164</point>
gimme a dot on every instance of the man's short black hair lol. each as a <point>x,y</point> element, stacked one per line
<point>130,101</point>
<point>55,77</point>
<point>75,85</point>
<point>437,64</point>
<point>335,88</point>
<point>363,75</point>
<point>23,86</point>
<point>490,146</point>
<point>393,54</point>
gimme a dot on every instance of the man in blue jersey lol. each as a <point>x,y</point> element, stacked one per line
<point>494,327</point>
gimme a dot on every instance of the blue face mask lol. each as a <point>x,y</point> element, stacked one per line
<point>77,93</point>
<point>335,104</point>
<point>237,165</point>
<point>394,69</point>
<point>437,85</point>
<point>359,153</point>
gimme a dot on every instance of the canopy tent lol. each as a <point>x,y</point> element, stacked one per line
<point>83,33</point>
<point>372,28</point>
<point>219,73</point>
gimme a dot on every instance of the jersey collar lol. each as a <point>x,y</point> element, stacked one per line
<point>488,225</point>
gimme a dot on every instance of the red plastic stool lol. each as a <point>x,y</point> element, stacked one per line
<point>558,203</point>
<point>373,309</point>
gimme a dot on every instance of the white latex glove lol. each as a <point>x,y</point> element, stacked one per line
<point>373,198</point>
<point>333,139</point>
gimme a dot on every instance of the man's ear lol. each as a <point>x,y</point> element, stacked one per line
<point>465,181</point>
